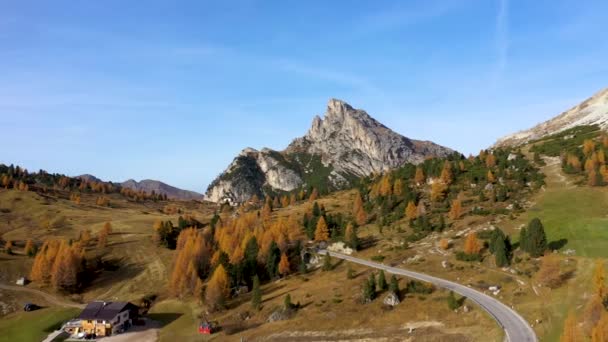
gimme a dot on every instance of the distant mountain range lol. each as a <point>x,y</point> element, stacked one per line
<point>149,185</point>
<point>338,149</point>
<point>593,111</point>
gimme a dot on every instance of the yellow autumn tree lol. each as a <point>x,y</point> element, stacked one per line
<point>438,191</point>
<point>102,239</point>
<point>419,178</point>
<point>472,245</point>
<point>411,211</point>
<point>398,187</point>
<point>446,173</point>
<point>600,331</point>
<point>385,185</point>
<point>314,195</point>
<point>599,278</point>
<point>284,201</point>
<point>322,232</point>
<point>218,289</point>
<point>491,160</point>
<point>455,210</point>
<point>292,199</point>
<point>571,331</point>
<point>588,147</point>
<point>491,177</point>
<point>284,267</point>
<point>107,227</point>
<point>30,248</point>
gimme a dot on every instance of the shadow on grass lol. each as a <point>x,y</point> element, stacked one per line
<point>557,245</point>
<point>236,328</point>
<point>164,318</point>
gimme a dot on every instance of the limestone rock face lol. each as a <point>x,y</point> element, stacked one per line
<point>344,145</point>
<point>593,111</point>
<point>355,143</point>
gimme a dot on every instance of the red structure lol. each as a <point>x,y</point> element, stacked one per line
<point>205,328</point>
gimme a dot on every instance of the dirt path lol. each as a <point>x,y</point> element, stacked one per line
<point>47,296</point>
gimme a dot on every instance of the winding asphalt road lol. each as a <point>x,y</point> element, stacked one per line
<point>516,328</point>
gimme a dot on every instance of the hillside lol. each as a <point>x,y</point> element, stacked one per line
<point>593,111</point>
<point>159,187</point>
<point>343,146</point>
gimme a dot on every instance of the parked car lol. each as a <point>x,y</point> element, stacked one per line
<point>30,307</point>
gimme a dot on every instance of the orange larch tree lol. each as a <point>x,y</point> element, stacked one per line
<point>411,211</point>
<point>419,178</point>
<point>472,245</point>
<point>314,195</point>
<point>455,210</point>
<point>284,267</point>
<point>218,289</point>
<point>322,232</point>
<point>446,173</point>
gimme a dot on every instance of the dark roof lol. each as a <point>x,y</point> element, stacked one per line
<point>105,310</point>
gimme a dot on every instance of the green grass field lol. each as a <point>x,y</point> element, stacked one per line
<point>33,326</point>
<point>578,214</point>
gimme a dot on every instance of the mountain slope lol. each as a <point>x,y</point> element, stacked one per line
<point>158,187</point>
<point>593,111</point>
<point>346,144</point>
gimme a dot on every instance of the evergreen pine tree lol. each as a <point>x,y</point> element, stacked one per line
<point>441,226</point>
<point>372,284</point>
<point>287,302</point>
<point>500,253</point>
<point>496,235</point>
<point>327,266</point>
<point>536,238</point>
<point>272,259</point>
<point>394,285</point>
<point>523,239</point>
<point>256,294</point>
<point>382,285</point>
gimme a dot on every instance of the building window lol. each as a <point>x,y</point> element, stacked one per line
<point>99,321</point>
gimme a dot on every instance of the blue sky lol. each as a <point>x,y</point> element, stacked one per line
<point>173,90</point>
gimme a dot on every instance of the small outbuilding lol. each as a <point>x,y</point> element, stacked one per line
<point>21,281</point>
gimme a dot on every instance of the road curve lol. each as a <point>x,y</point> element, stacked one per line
<point>48,297</point>
<point>516,328</point>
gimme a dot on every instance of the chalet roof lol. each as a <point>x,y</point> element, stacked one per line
<point>105,310</point>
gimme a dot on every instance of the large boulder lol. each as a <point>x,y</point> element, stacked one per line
<point>391,299</point>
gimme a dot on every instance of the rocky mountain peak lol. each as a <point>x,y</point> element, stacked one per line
<point>345,144</point>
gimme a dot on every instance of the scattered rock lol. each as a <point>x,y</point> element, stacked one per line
<point>280,315</point>
<point>445,264</point>
<point>391,299</point>
<point>466,309</point>
<point>340,247</point>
